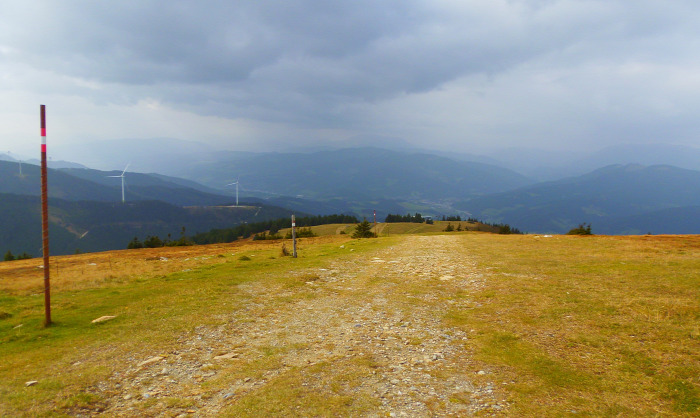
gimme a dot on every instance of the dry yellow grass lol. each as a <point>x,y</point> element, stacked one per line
<point>93,269</point>
<point>400,228</point>
<point>604,325</point>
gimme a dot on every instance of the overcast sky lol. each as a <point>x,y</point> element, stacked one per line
<point>467,75</point>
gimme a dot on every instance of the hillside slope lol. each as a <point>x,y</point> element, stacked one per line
<point>356,174</point>
<point>98,226</point>
<point>614,192</point>
<point>87,184</point>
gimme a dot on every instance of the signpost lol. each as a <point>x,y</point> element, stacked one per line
<point>294,237</point>
<point>375,223</point>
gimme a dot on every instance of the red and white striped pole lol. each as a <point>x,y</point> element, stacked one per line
<point>45,221</point>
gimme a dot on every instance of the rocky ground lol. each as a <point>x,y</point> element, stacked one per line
<point>380,312</point>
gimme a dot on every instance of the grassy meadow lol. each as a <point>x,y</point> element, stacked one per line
<point>602,326</point>
<point>593,326</point>
<point>399,228</point>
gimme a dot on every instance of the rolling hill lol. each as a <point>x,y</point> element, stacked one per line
<point>98,226</point>
<point>621,198</point>
<point>357,174</point>
<point>87,184</point>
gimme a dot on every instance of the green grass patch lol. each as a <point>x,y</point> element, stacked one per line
<point>512,351</point>
<point>318,391</point>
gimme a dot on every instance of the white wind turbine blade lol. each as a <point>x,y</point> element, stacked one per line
<point>127,166</point>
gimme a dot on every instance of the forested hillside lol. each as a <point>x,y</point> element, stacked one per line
<point>98,226</point>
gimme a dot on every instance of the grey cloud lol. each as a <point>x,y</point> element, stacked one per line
<point>331,63</point>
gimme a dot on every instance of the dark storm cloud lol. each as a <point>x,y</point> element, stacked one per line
<point>335,63</point>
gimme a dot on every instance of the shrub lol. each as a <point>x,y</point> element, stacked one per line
<point>582,229</point>
<point>301,233</point>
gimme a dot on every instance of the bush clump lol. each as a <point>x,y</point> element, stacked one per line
<point>582,229</point>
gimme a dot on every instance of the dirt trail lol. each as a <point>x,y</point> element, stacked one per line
<point>382,310</point>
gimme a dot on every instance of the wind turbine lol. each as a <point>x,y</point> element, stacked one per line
<point>236,183</point>
<point>122,177</point>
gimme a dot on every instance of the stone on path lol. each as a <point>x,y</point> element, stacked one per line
<point>226,356</point>
<point>151,360</point>
<point>103,318</point>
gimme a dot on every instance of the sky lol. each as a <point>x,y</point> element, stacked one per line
<point>463,75</point>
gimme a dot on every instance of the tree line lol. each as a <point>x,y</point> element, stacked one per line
<point>11,257</point>
<point>263,230</point>
<point>416,218</point>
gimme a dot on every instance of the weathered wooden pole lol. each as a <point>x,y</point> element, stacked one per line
<point>375,223</point>
<point>294,237</point>
<point>45,221</point>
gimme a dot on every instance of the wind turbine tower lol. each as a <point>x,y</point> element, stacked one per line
<point>122,177</point>
<point>236,183</point>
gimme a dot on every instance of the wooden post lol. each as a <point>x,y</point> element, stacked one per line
<point>294,237</point>
<point>45,221</point>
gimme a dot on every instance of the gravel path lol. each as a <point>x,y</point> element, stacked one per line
<point>385,307</point>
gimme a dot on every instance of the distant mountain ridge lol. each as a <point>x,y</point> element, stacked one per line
<point>614,192</point>
<point>357,173</point>
<point>86,184</point>
<point>549,165</point>
<point>616,198</point>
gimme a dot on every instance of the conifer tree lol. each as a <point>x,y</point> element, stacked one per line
<point>363,230</point>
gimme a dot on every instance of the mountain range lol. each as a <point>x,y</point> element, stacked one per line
<point>167,155</point>
<point>616,199</point>
<point>87,184</point>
